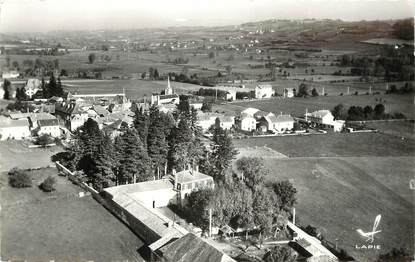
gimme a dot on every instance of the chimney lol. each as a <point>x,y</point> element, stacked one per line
<point>175,178</point>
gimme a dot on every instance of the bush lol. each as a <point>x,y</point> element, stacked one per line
<point>19,179</point>
<point>44,140</point>
<point>48,185</point>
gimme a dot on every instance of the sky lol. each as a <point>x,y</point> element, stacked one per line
<point>48,15</point>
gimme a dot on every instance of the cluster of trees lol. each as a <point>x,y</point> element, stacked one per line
<point>244,200</point>
<point>52,88</point>
<point>242,95</point>
<point>405,89</point>
<point>37,67</point>
<point>192,79</point>
<point>180,60</point>
<point>53,51</point>
<point>154,145</point>
<point>358,113</point>
<point>303,91</point>
<point>391,67</point>
<point>220,94</point>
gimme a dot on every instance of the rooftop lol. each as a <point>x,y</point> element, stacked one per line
<point>189,175</point>
<point>319,113</point>
<point>48,122</point>
<point>169,96</point>
<point>192,248</point>
<point>141,187</point>
<point>6,122</point>
<point>284,118</point>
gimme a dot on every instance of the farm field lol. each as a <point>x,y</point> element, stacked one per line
<point>60,226</point>
<point>340,195</point>
<point>297,106</point>
<point>334,145</point>
<point>401,129</point>
<point>16,153</point>
<point>133,88</point>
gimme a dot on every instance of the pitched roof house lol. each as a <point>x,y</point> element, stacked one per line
<point>190,248</point>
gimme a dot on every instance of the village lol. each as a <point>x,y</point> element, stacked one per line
<point>263,141</point>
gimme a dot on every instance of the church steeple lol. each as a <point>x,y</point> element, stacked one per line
<point>169,90</point>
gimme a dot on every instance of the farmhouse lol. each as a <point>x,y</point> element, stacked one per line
<point>32,86</point>
<point>13,129</point>
<point>264,91</point>
<point>324,119</point>
<point>278,123</point>
<point>247,123</point>
<point>226,122</point>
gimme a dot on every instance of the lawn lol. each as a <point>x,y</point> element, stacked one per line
<point>60,226</point>
<point>15,153</point>
<point>298,106</point>
<point>334,145</point>
<point>340,195</point>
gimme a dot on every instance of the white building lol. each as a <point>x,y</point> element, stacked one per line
<point>325,119</point>
<point>247,123</point>
<point>226,122</point>
<point>32,86</point>
<point>288,92</point>
<point>10,74</point>
<point>278,123</point>
<point>230,95</point>
<point>264,91</point>
<point>14,129</point>
<point>48,127</point>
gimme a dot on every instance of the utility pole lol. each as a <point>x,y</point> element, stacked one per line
<point>294,215</point>
<point>348,90</point>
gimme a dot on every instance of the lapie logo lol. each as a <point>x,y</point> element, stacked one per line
<point>370,235</point>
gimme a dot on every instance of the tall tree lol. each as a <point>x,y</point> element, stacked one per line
<point>157,145</point>
<point>286,192</point>
<point>222,153</point>
<point>6,87</point>
<point>103,175</point>
<point>134,161</point>
<point>141,123</point>
<point>253,171</point>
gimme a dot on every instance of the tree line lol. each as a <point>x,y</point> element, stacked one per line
<point>358,113</point>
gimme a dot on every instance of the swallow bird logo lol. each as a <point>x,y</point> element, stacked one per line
<point>370,235</point>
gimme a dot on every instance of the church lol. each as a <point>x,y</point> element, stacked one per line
<point>169,97</point>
